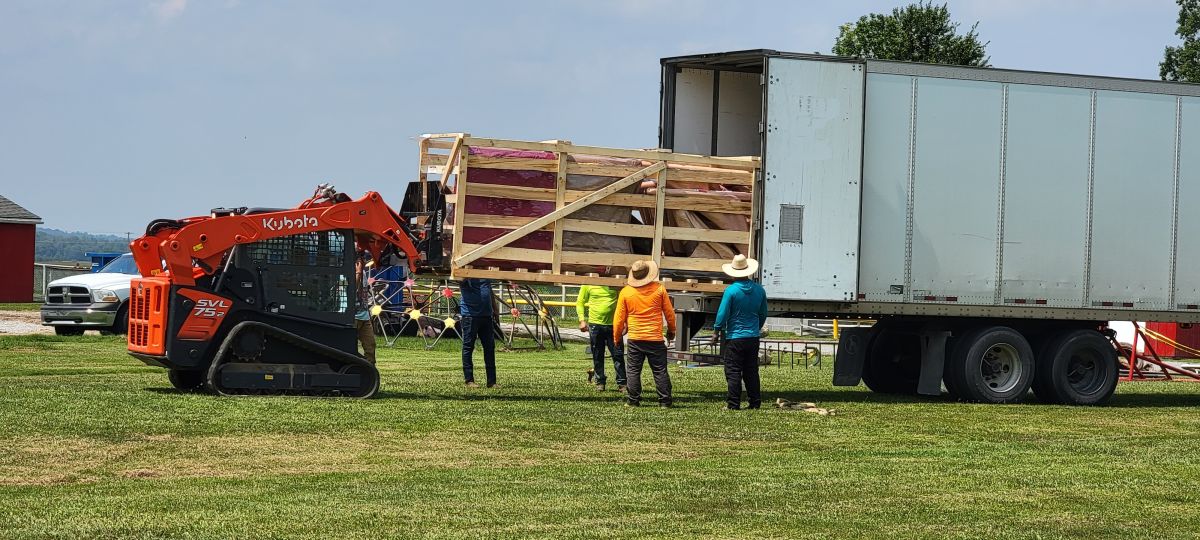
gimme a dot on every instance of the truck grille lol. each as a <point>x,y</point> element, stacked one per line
<point>147,315</point>
<point>68,295</point>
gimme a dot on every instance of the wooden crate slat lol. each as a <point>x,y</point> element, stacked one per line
<point>700,203</point>
<point>747,163</point>
<point>507,275</point>
<point>514,163</point>
<point>706,235</point>
<point>692,263</point>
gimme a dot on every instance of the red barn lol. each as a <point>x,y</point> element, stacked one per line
<point>17,233</point>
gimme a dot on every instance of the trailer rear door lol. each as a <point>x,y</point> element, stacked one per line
<point>812,178</point>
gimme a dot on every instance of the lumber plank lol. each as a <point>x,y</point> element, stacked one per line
<point>493,221</point>
<point>748,163</point>
<point>514,163</point>
<point>453,163</point>
<point>558,214</point>
<point>692,263</point>
<point>433,160</point>
<point>632,230</point>
<point>515,254</point>
<point>706,235</point>
<point>680,173</point>
<point>460,210</point>
<point>422,174</point>
<point>559,201</point>
<point>571,279</point>
<point>660,218</point>
<point>691,201</point>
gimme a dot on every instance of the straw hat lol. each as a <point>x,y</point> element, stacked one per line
<point>740,267</point>
<point>638,267</point>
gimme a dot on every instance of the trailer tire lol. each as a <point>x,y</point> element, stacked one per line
<point>1078,368</point>
<point>993,364</point>
<point>893,363</point>
<point>186,379</point>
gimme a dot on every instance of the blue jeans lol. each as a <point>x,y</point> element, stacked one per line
<point>601,338</point>
<point>478,327</point>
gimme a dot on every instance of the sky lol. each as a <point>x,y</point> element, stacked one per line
<point>113,113</point>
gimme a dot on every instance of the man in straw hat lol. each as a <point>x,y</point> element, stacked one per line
<point>641,308</point>
<point>742,314</point>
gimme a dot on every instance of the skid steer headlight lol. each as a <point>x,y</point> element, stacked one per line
<point>103,295</point>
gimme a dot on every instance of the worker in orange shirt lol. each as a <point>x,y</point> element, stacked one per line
<point>641,308</point>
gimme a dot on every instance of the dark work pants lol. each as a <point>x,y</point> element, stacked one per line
<point>366,336</point>
<point>478,327</point>
<point>654,353</point>
<point>741,367</point>
<point>602,338</point>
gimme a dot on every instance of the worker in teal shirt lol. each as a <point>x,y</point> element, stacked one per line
<point>595,306</point>
<point>740,319</point>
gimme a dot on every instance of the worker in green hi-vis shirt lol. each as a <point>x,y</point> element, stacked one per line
<point>595,307</point>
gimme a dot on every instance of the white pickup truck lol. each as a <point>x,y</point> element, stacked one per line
<point>95,301</point>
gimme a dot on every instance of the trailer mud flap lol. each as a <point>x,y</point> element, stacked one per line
<point>851,355</point>
<point>933,361</point>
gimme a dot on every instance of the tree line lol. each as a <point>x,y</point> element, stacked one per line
<point>53,245</point>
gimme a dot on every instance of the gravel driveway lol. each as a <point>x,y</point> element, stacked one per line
<point>22,322</point>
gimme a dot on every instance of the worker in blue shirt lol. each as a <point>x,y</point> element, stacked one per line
<point>478,312</point>
<point>740,318</point>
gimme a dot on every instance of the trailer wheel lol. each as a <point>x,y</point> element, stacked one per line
<point>893,364</point>
<point>991,365</point>
<point>1077,368</point>
<point>186,380</point>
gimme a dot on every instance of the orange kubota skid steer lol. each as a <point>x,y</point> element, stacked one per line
<point>262,301</point>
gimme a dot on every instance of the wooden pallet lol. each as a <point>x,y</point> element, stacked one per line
<point>656,173</point>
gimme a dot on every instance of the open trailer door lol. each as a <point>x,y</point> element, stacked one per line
<point>812,176</point>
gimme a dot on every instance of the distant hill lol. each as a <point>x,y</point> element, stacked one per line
<point>55,245</point>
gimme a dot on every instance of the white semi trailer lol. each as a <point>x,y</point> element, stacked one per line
<point>991,220</point>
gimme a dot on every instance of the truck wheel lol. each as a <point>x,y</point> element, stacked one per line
<point>186,380</point>
<point>120,323</point>
<point>68,331</point>
<point>893,364</point>
<point>1078,368</point>
<point>991,365</point>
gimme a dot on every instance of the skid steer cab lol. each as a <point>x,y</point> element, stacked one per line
<point>262,301</point>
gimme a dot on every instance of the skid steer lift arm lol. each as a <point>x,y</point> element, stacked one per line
<point>192,247</point>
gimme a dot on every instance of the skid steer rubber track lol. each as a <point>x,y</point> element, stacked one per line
<point>345,375</point>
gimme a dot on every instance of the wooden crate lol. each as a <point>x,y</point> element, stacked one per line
<point>681,200</point>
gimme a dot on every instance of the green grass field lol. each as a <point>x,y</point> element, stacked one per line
<point>94,445</point>
<point>22,306</point>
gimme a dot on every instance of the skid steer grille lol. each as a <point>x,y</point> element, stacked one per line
<point>147,315</point>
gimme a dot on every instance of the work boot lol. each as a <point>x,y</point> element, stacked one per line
<point>472,384</point>
<point>600,387</point>
<point>621,388</point>
<point>494,385</point>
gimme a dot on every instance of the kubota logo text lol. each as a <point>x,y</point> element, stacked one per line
<point>210,309</point>
<point>280,224</point>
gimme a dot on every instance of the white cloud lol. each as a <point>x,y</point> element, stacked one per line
<point>167,10</point>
